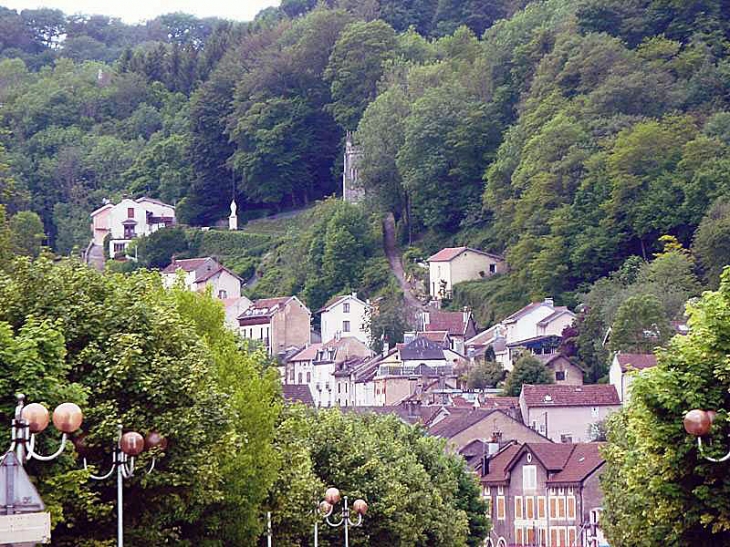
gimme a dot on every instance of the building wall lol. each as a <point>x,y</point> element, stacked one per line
<point>438,272</point>
<point>334,318</point>
<point>392,389</point>
<point>573,373</point>
<point>258,333</point>
<point>616,379</point>
<point>469,266</point>
<point>223,281</point>
<point>526,326</point>
<point>592,500</point>
<point>365,393</point>
<point>233,310</point>
<point>511,430</point>
<point>344,391</point>
<point>290,327</point>
<point>571,421</point>
<point>556,326</point>
<point>119,213</point>
<point>100,226</point>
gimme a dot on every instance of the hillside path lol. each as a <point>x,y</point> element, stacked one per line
<point>396,265</point>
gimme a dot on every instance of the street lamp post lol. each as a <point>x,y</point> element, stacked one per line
<point>128,445</point>
<point>698,423</point>
<point>331,497</point>
<point>33,419</point>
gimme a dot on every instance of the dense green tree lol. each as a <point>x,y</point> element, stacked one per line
<point>485,374</point>
<point>657,488</point>
<point>27,233</point>
<point>355,67</point>
<point>158,249</point>
<point>711,242</point>
<point>527,370</point>
<point>640,325</point>
<point>379,459</point>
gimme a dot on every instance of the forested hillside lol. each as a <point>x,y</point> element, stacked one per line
<point>569,135</point>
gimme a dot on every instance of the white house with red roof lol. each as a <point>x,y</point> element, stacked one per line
<point>454,265</point>
<point>200,273</point>
<point>566,413</point>
<point>127,220</point>
<point>279,324</point>
<point>625,367</point>
<point>345,316</point>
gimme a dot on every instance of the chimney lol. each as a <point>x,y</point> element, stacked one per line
<point>354,295</point>
<point>549,302</point>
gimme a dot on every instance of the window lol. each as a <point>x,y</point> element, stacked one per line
<point>529,536</point>
<point>119,248</point>
<point>488,503</point>
<point>553,508</point>
<point>560,376</point>
<point>130,212</point>
<point>541,508</point>
<point>222,294</point>
<point>346,307</point>
<point>300,377</point>
<point>345,388</point>
<point>561,508</point>
<point>492,268</point>
<point>500,490</point>
<point>291,376</point>
<point>339,388</point>
<point>571,507</point>
<point>566,439</point>
<point>518,507</point>
<point>529,477</point>
<point>309,377</point>
<point>572,536</point>
<point>594,411</point>
<point>529,508</point>
<point>500,508</point>
<point>519,538</point>
<point>345,326</point>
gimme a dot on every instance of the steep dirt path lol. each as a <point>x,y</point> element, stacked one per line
<point>396,265</point>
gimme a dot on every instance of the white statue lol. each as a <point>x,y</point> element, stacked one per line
<point>233,218</point>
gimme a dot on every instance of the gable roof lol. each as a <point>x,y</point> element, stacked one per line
<point>498,472</point>
<point>153,200</point>
<point>335,300</point>
<point>437,336</point>
<point>186,264</point>
<point>548,359</point>
<point>637,361</point>
<point>450,321</point>
<point>450,253</point>
<point>265,307</point>
<point>306,354</point>
<point>297,393</point>
<point>421,349</point>
<point>207,275</point>
<point>522,312</point>
<point>455,423</point>
<point>547,395</point>
<point>559,312</point>
<point>101,209</point>
<point>584,460</point>
<point>501,402</point>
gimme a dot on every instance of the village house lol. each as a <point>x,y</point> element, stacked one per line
<point>127,220</point>
<point>625,367</point>
<point>279,324</point>
<point>454,265</point>
<point>459,325</point>
<point>544,494</point>
<point>564,372</point>
<point>200,274</point>
<point>345,316</point>
<point>317,366</point>
<point>566,413</point>
<point>536,328</point>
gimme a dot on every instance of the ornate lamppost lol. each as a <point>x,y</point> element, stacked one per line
<point>327,507</point>
<point>128,445</point>
<point>698,423</point>
<point>33,419</point>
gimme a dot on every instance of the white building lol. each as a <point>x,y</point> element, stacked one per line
<point>345,316</point>
<point>454,265</point>
<point>127,220</point>
<point>201,273</point>
<point>625,367</point>
<point>533,327</point>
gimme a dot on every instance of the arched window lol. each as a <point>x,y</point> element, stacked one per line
<point>502,543</point>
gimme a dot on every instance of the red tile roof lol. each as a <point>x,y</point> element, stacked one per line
<point>450,253</point>
<point>583,461</point>
<point>186,264</point>
<point>307,354</point>
<point>548,395</point>
<point>297,393</point>
<point>637,361</point>
<point>553,456</point>
<point>438,336</point>
<point>457,422</point>
<point>207,275</point>
<point>501,402</point>
<point>450,321</point>
<point>498,464</point>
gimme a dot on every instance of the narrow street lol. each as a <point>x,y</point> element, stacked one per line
<point>390,246</point>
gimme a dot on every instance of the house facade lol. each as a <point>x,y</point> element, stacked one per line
<point>127,220</point>
<point>459,326</point>
<point>625,367</point>
<point>565,413</point>
<point>564,372</point>
<point>544,494</point>
<point>345,316</point>
<point>279,324</point>
<point>454,265</point>
<point>199,274</point>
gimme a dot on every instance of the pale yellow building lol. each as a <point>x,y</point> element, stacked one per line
<point>454,265</point>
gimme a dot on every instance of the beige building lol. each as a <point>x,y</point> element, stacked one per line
<point>199,274</point>
<point>277,323</point>
<point>625,367</point>
<point>454,265</point>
